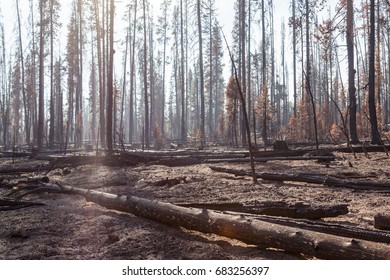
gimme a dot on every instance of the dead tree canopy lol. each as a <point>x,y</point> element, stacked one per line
<point>263,234</point>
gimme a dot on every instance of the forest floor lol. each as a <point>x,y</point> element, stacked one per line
<point>69,227</point>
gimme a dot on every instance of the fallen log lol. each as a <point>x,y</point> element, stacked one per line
<point>263,234</point>
<point>123,159</point>
<point>7,204</point>
<point>364,149</point>
<point>22,170</point>
<point>177,161</point>
<point>271,176</point>
<point>322,179</point>
<point>355,148</point>
<point>183,158</point>
<point>289,153</point>
<point>10,154</point>
<point>298,210</point>
<point>266,159</point>
<point>325,227</point>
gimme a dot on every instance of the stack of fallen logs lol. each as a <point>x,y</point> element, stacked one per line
<point>305,237</point>
<point>250,223</point>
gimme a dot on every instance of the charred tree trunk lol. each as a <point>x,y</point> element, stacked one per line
<point>201,72</point>
<point>145,71</point>
<point>243,27</point>
<point>41,105</point>
<point>110,84</point>
<point>351,74</point>
<point>79,79</point>
<point>100,75</point>
<point>25,102</point>
<point>52,110</point>
<point>294,26</point>
<point>182,78</point>
<point>264,89</point>
<point>132,78</point>
<point>371,80</point>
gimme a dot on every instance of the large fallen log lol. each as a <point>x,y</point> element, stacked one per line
<point>123,159</point>
<point>322,179</point>
<point>355,232</point>
<point>263,234</point>
<point>266,159</point>
<point>297,210</point>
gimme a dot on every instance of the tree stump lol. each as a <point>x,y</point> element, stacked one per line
<point>280,145</point>
<point>382,222</point>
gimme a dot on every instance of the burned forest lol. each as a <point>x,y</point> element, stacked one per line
<point>194,130</point>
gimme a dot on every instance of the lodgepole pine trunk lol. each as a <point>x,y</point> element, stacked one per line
<point>260,233</point>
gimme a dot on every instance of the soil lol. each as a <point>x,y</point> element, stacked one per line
<point>69,227</point>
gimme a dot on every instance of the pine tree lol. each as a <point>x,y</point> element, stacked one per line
<point>371,80</point>
<point>201,72</point>
<point>163,38</point>
<point>217,76</point>
<point>232,97</point>
<point>351,73</point>
<point>54,8</point>
<point>41,110</point>
<point>16,102</point>
<point>22,65</point>
<point>110,83</point>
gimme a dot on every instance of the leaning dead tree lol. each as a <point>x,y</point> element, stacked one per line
<point>243,104</point>
<point>263,234</point>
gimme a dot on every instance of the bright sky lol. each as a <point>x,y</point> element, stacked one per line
<point>225,13</point>
<point>224,10</point>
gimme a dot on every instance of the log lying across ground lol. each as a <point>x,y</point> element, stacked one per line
<point>266,159</point>
<point>382,236</point>
<point>297,210</point>
<point>263,234</point>
<point>123,159</point>
<point>322,179</point>
<point>22,170</point>
<point>13,204</point>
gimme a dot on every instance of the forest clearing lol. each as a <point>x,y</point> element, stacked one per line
<point>68,226</point>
